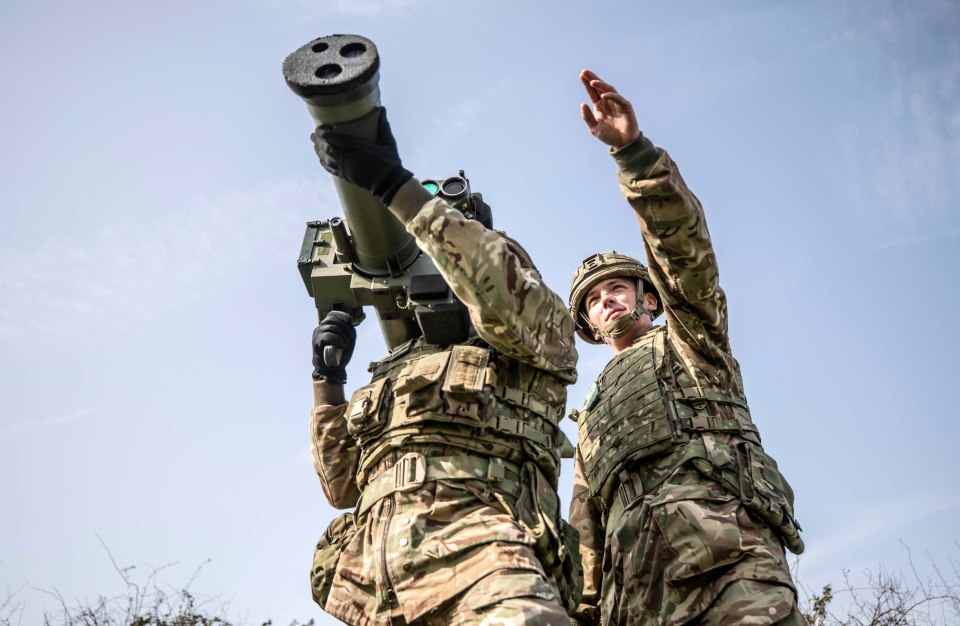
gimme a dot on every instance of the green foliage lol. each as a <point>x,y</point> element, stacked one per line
<point>816,610</point>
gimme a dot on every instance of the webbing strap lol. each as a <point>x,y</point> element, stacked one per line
<point>712,423</point>
<point>502,419</point>
<point>708,393</point>
<point>525,400</point>
<point>521,428</point>
<point>660,429</point>
<point>413,470</point>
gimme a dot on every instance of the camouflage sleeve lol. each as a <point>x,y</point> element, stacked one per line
<point>679,252</point>
<point>586,516</point>
<point>334,451</point>
<point>510,306</point>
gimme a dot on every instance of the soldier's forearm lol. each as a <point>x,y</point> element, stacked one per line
<point>328,394</point>
<point>679,250</point>
<point>334,451</point>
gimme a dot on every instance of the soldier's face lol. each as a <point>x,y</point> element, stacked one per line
<point>613,298</point>
<point>610,299</point>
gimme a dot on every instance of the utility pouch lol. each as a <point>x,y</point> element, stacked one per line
<point>363,413</point>
<point>327,555</point>
<point>467,371</point>
<point>772,499</point>
<point>755,479</point>
<point>557,543</point>
<point>463,384</point>
<point>416,386</point>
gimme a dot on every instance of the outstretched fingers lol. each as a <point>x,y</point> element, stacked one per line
<point>587,77</point>
<point>588,117</point>
<point>601,87</point>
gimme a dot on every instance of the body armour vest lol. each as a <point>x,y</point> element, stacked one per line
<point>469,396</point>
<point>645,412</point>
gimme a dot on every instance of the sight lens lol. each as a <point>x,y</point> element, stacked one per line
<point>454,186</point>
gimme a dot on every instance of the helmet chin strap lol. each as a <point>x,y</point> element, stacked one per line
<point>622,325</point>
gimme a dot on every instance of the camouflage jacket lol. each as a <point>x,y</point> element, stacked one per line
<point>445,537</point>
<point>511,308</point>
<point>684,270</point>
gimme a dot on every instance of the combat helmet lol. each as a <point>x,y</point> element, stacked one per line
<point>598,267</point>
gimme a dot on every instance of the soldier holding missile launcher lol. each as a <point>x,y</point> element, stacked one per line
<point>450,455</point>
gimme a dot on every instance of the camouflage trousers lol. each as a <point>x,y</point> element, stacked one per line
<point>440,556</point>
<point>689,553</point>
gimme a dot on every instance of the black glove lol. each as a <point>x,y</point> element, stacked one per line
<point>371,165</point>
<point>336,332</point>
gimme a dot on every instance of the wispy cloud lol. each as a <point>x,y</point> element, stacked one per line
<point>11,430</point>
<point>137,267</point>
<point>912,240</point>
<point>871,522</point>
<point>900,157</point>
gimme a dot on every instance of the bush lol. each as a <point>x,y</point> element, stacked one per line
<point>888,599</point>
<point>143,602</point>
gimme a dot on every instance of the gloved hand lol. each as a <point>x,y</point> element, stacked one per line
<point>336,331</point>
<point>371,165</point>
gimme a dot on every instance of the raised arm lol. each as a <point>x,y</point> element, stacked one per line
<point>510,305</point>
<point>679,252</point>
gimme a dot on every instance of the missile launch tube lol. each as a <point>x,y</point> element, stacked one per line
<point>338,78</point>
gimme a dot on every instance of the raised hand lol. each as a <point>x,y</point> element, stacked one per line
<point>612,119</point>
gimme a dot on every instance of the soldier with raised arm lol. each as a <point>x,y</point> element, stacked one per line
<point>683,517</point>
<point>451,454</point>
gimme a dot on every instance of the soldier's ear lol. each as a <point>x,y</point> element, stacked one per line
<point>649,302</point>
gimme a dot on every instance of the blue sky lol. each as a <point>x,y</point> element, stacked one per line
<point>156,174</point>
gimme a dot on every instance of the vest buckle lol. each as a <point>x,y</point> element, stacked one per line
<point>496,471</point>
<point>410,472</point>
<point>629,489</point>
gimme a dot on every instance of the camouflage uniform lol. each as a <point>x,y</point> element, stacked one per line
<point>689,528</point>
<point>429,545</point>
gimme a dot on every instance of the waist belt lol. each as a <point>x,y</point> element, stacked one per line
<point>413,470</point>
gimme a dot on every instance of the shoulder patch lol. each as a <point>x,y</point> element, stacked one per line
<point>593,394</point>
